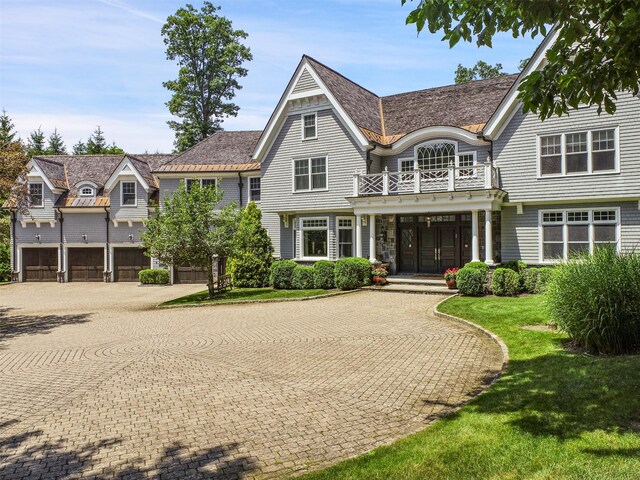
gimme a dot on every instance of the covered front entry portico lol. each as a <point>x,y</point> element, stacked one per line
<point>430,244</point>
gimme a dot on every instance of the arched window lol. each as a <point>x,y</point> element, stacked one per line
<point>86,192</point>
<point>436,157</point>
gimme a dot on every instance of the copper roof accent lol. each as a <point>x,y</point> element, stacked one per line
<point>235,167</point>
<point>66,201</point>
<point>474,128</point>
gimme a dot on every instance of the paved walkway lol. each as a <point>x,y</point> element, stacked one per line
<point>96,383</point>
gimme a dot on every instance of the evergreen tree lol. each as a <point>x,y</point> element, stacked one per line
<point>96,144</point>
<point>79,148</point>
<point>7,135</point>
<point>36,143</point>
<point>252,251</point>
<point>56,145</point>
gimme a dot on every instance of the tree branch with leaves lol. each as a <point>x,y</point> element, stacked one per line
<point>596,54</point>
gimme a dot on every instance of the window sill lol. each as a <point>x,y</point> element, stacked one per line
<point>566,175</point>
<point>311,259</point>
<point>311,191</point>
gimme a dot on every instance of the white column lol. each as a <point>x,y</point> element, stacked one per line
<point>372,238</point>
<point>358,235</point>
<point>475,241</point>
<point>488,237</point>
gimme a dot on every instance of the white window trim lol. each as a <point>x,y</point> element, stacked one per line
<point>315,119</point>
<point>215,180</point>
<point>249,199</point>
<point>353,233</point>
<point>310,189</point>
<point>90,194</point>
<point>563,153</point>
<point>474,166</point>
<point>436,142</point>
<point>41,205</point>
<point>135,192</point>
<point>301,231</point>
<point>565,230</point>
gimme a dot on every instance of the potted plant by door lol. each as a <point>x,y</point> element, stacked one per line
<point>450,277</point>
<point>379,276</point>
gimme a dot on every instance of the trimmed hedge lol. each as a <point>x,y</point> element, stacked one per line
<point>323,274</point>
<point>352,273</point>
<point>281,273</point>
<point>594,298</point>
<point>520,268</point>
<point>470,281</point>
<point>505,282</point>
<point>483,267</point>
<point>154,276</point>
<point>302,278</point>
<point>537,279</point>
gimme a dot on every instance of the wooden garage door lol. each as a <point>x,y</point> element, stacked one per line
<point>127,263</point>
<point>86,264</point>
<point>39,264</point>
<point>196,274</point>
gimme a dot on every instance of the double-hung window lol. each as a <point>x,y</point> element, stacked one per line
<point>309,126</point>
<point>315,237</point>
<point>208,182</point>
<point>254,189</point>
<point>128,193</point>
<point>345,236</point>
<point>203,182</point>
<point>586,152</point>
<point>36,194</point>
<point>310,174</point>
<point>570,232</point>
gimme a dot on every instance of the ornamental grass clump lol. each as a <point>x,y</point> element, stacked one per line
<point>596,300</point>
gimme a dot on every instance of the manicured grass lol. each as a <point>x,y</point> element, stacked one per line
<point>552,415</point>
<point>244,295</point>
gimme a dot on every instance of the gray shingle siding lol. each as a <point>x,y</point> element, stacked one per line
<point>128,212</point>
<point>120,234</point>
<point>305,83</point>
<point>91,224</point>
<point>47,211</point>
<point>344,158</point>
<point>27,234</point>
<point>515,153</point>
<point>520,233</point>
<point>229,186</point>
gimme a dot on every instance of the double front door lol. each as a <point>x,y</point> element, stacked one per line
<point>432,247</point>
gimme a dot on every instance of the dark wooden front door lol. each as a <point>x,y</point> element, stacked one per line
<point>127,263</point>
<point>86,264</point>
<point>432,246</point>
<point>39,264</point>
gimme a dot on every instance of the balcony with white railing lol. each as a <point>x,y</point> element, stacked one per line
<point>450,179</point>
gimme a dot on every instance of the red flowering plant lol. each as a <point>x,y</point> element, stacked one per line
<point>451,273</point>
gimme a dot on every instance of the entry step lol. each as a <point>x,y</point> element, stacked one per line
<point>406,288</point>
<point>412,280</point>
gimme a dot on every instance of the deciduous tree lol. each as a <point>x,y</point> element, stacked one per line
<point>188,230</point>
<point>479,71</point>
<point>596,54</point>
<point>210,55</point>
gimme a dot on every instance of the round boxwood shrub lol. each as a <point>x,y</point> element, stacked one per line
<point>281,273</point>
<point>531,279</point>
<point>323,273</point>
<point>302,278</point>
<point>483,267</point>
<point>350,273</point>
<point>153,276</point>
<point>470,281</point>
<point>520,268</point>
<point>594,298</point>
<point>505,281</point>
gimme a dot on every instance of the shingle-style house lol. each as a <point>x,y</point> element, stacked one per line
<point>424,180</point>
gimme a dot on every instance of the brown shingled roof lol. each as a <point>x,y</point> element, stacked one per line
<point>230,150</point>
<point>54,171</point>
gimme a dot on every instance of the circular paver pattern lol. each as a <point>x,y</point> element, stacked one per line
<point>94,382</point>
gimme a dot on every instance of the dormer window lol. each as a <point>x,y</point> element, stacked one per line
<point>86,192</point>
<point>128,194</point>
<point>36,194</point>
<point>309,127</point>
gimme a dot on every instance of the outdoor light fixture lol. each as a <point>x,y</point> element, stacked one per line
<point>84,237</point>
<point>131,237</point>
<point>38,237</point>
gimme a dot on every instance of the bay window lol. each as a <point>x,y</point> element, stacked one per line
<point>315,237</point>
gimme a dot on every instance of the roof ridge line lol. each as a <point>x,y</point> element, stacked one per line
<point>384,132</point>
<point>452,85</point>
<point>47,160</point>
<point>341,75</point>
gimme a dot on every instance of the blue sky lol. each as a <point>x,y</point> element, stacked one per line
<point>75,64</point>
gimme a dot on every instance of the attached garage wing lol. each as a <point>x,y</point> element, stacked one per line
<point>198,274</point>
<point>86,264</point>
<point>39,264</point>
<point>127,263</point>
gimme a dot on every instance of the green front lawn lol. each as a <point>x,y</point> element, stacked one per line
<point>552,415</point>
<point>243,295</point>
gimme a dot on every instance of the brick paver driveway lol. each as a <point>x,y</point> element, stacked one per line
<point>95,382</point>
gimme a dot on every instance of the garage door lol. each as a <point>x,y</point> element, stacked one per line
<point>196,274</point>
<point>86,264</point>
<point>39,264</point>
<point>127,263</point>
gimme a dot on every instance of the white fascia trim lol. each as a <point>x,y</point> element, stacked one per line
<point>572,200</point>
<point>86,182</point>
<point>33,166</point>
<point>510,102</point>
<point>119,171</point>
<point>431,133</point>
<point>273,127</point>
